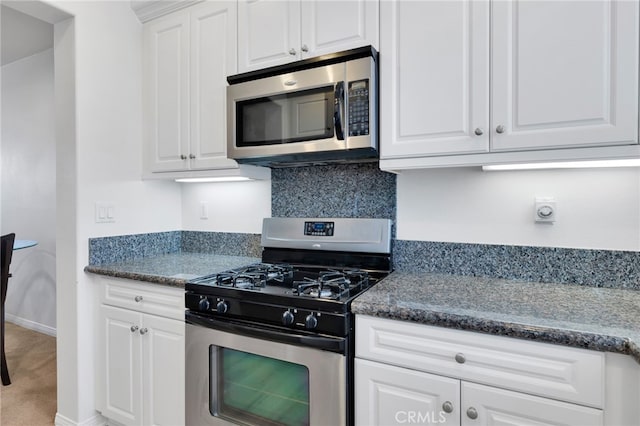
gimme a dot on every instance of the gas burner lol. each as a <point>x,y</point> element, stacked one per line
<point>274,273</point>
<point>254,277</point>
<point>316,288</point>
<point>332,284</point>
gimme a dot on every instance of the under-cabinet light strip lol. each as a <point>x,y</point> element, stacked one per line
<point>565,165</point>
<point>214,179</point>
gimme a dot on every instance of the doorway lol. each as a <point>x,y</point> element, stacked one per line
<point>30,124</point>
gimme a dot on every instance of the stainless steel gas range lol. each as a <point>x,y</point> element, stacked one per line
<point>273,343</point>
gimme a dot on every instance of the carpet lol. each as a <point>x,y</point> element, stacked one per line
<point>30,399</point>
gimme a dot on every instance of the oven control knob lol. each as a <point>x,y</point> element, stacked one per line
<point>203,304</point>
<point>222,307</point>
<point>311,322</point>
<point>288,318</point>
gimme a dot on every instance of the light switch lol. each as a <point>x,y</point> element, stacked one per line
<point>105,213</point>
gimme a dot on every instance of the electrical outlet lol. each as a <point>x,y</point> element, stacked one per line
<point>545,210</point>
<point>204,210</point>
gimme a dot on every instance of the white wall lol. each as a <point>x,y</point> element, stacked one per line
<point>231,206</point>
<point>98,138</point>
<point>109,156</point>
<point>29,188</point>
<point>596,208</point>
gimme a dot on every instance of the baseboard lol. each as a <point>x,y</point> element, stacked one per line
<point>96,420</point>
<point>31,325</point>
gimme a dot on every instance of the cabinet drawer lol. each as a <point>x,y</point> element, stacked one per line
<point>569,374</point>
<point>153,299</point>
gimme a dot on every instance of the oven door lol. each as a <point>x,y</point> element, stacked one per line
<point>235,377</point>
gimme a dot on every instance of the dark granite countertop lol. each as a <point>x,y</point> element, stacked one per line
<point>602,319</point>
<point>171,269</point>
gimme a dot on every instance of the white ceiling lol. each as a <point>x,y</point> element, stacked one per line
<point>23,35</point>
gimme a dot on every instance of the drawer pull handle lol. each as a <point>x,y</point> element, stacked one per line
<point>472,413</point>
<point>143,330</point>
<point>134,328</point>
<point>460,358</point>
<point>447,407</point>
<point>138,299</point>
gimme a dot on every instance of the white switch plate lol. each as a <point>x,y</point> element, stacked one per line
<point>545,210</point>
<point>204,210</point>
<point>105,213</point>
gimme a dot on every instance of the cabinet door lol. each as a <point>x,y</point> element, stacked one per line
<point>119,368</point>
<point>166,93</point>
<point>213,58</point>
<point>164,370</point>
<point>495,406</point>
<point>387,395</point>
<point>435,88</point>
<point>333,26</point>
<point>564,73</point>
<point>268,33</point>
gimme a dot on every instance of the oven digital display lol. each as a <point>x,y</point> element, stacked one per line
<point>319,229</point>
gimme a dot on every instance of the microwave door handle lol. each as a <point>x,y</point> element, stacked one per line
<point>338,110</point>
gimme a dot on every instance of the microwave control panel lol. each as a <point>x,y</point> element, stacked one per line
<point>358,107</point>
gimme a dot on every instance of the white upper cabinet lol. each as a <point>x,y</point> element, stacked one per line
<point>188,55</point>
<point>434,77</point>
<point>332,26</point>
<point>267,31</point>
<point>507,81</point>
<point>274,32</point>
<point>213,58</point>
<point>564,73</point>
<point>166,49</point>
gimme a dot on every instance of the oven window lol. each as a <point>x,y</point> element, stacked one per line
<point>254,389</point>
<point>285,118</point>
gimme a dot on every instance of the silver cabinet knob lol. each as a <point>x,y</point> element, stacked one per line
<point>292,52</point>
<point>472,413</point>
<point>192,156</point>
<point>138,299</point>
<point>134,328</point>
<point>500,129</point>
<point>460,358</point>
<point>304,48</point>
<point>143,330</point>
<point>478,132</point>
<point>447,407</point>
<point>183,157</point>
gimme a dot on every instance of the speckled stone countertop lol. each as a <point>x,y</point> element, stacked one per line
<point>602,319</point>
<point>171,269</point>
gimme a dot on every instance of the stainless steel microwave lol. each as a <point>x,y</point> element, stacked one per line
<point>316,111</point>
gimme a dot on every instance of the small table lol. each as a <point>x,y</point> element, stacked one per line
<point>22,244</point>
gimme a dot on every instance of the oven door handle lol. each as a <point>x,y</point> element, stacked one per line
<point>327,343</point>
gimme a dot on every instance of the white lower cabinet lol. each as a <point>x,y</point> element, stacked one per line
<point>140,355</point>
<point>407,373</point>
<point>486,405</point>
<point>388,395</point>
